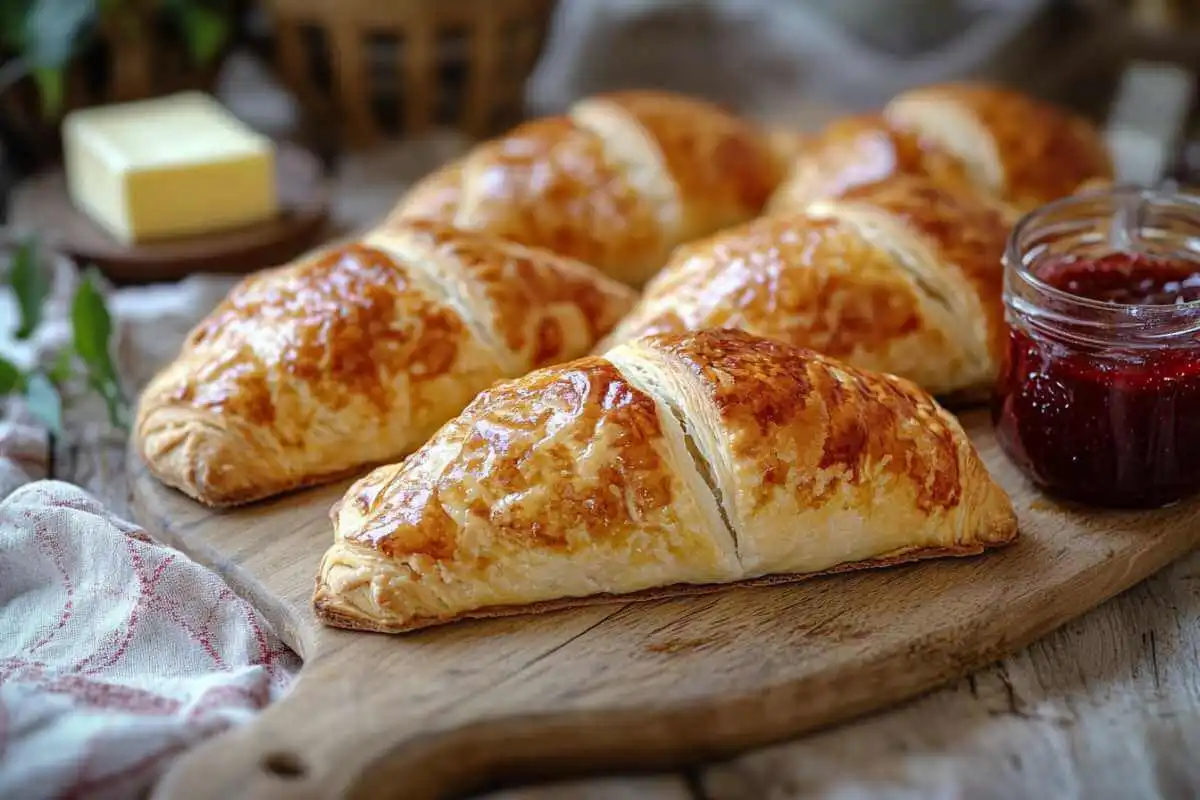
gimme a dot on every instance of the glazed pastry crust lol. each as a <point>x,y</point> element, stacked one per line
<point>569,481</point>
<point>1027,151</point>
<point>354,355</point>
<point>819,464</point>
<point>997,142</point>
<point>724,167</point>
<point>860,151</point>
<point>674,465</point>
<point>549,183</point>
<point>902,276</point>
<point>616,183</point>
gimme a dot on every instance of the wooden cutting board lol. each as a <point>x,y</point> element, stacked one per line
<point>626,686</point>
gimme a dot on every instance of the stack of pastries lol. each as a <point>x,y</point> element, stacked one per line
<point>763,411</point>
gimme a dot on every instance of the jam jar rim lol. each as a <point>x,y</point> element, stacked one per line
<point>1014,264</point>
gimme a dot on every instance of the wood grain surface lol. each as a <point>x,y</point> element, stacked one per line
<point>627,686</point>
<point>42,204</point>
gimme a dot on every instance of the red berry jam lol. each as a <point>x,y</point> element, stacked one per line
<point>1125,278</point>
<point>1099,400</point>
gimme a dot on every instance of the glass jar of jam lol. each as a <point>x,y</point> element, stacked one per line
<point>1099,398</point>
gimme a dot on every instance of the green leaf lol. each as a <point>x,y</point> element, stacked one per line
<point>92,329</point>
<point>91,325</point>
<point>204,30</point>
<point>63,367</point>
<point>50,88</point>
<point>44,402</point>
<point>11,378</point>
<point>114,401</point>
<point>31,285</point>
<point>53,28</point>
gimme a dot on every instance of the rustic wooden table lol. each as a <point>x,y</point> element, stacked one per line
<point>1106,707</point>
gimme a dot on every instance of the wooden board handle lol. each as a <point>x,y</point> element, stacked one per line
<point>420,758</point>
<point>319,741</point>
<point>301,748</point>
<point>370,721</point>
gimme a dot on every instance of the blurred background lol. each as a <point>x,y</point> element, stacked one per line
<point>382,91</point>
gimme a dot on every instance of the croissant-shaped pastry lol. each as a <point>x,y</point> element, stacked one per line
<point>902,276</point>
<point>616,183</point>
<point>670,465</point>
<point>1022,151</point>
<point>354,355</point>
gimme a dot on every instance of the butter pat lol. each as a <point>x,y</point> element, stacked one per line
<point>171,166</point>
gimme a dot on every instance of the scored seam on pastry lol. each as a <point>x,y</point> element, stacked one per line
<point>636,156</point>
<point>641,375</point>
<point>935,279</point>
<point>441,275</point>
<point>952,128</point>
<point>473,190</point>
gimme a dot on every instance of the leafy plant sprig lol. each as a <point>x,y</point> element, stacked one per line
<point>88,353</point>
<point>91,326</point>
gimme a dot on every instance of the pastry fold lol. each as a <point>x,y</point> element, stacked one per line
<point>617,182</point>
<point>674,464</point>
<point>354,355</point>
<point>903,276</point>
<point>1020,151</point>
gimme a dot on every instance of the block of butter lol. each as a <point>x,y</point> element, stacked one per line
<point>168,167</point>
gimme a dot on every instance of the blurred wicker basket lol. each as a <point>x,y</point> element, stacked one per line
<point>374,68</point>
<point>1166,14</point>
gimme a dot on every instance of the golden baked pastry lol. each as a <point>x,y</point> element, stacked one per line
<point>616,183</point>
<point>902,276</point>
<point>860,151</point>
<point>787,143</point>
<point>354,355</point>
<point>1094,185</point>
<point>670,465</point>
<point>1021,150</point>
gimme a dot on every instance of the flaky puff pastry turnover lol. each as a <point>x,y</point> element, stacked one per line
<point>675,464</point>
<point>1008,146</point>
<point>902,276</point>
<point>616,182</point>
<point>354,355</point>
